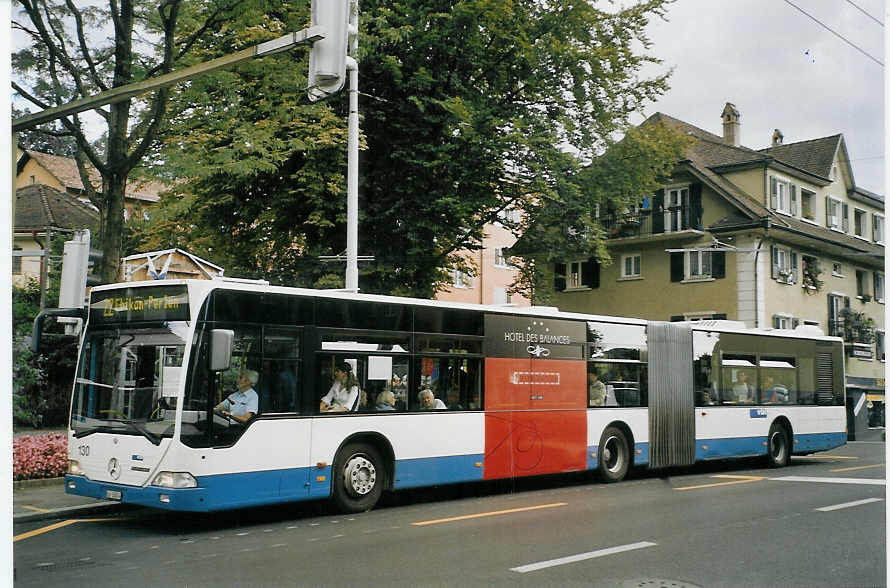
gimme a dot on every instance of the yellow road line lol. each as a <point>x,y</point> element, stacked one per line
<point>735,480</point>
<point>877,465</point>
<point>43,530</point>
<point>55,526</point>
<point>34,508</point>
<point>824,457</point>
<point>488,514</point>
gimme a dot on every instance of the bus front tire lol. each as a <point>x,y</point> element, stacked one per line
<point>359,477</point>
<point>778,446</point>
<point>614,455</point>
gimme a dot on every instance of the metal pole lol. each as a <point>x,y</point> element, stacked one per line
<point>352,171</point>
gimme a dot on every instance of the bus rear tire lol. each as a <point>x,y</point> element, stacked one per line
<point>359,477</point>
<point>778,446</point>
<point>614,455</point>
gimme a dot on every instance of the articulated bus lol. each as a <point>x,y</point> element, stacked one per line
<point>517,392</point>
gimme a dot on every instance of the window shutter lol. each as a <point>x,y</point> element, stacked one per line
<point>846,302</point>
<point>794,269</point>
<point>658,212</point>
<point>774,254</point>
<point>695,207</point>
<point>718,264</point>
<point>773,193</point>
<point>827,211</point>
<point>559,277</point>
<point>590,273</point>
<point>845,223</point>
<point>775,322</point>
<point>677,267</point>
<point>793,190</point>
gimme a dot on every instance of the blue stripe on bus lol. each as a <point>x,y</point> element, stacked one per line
<point>411,473</point>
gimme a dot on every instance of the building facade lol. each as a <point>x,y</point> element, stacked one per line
<point>779,237</point>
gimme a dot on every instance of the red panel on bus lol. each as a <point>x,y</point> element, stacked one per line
<point>536,418</point>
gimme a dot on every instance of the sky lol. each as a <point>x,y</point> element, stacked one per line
<point>782,71</point>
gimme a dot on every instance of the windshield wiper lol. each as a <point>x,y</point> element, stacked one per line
<point>130,426</point>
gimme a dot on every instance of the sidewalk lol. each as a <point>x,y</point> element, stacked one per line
<point>38,500</point>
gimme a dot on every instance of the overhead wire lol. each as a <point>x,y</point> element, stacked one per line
<point>851,3</point>
<point>835,33</point>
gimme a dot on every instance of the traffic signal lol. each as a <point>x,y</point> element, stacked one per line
<point>327,59</point>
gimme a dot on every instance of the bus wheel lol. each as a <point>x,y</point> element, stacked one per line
<point>358,478</point>
<point>614,455</point>
<point>779,446</point>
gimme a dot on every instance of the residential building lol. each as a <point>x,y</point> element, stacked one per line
<point>495,272</point>
<point>62,174</point>
<point>43,216</point>
<point>777,237</point>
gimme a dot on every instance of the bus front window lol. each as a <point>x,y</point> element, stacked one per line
<point>127,381</point>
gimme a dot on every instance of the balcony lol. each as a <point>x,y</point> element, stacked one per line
<point>649,225</point>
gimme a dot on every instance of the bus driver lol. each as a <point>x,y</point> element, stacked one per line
<point>243,404</point>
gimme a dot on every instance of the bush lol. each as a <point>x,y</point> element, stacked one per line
<point>39,456</point>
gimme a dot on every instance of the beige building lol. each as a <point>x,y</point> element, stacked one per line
<point>62,174</point>
<point>494,272</point>
<point>777,238</point>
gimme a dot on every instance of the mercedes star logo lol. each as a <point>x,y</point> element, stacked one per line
<point>114,468</point>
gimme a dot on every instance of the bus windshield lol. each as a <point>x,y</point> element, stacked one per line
<point>128,380</point>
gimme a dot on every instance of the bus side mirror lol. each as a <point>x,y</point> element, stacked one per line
<point>221,349</point>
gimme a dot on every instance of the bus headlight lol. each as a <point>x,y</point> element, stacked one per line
<point>74,468</point>
<point>175,480</point>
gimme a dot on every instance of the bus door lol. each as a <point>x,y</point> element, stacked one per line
<point>535,422</point>
<point>671,395</point>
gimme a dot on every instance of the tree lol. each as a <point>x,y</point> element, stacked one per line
<point>468,107</point>
<point>70,57</point>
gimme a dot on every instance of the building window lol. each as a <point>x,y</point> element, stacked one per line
<point>462,279</point>
<point>785,265</point>
<point>501,296</point>
<point>860,219</point>
<point>837,270</point>
<point>879,287</point>
<point>836,304</point>
<point>877,228</point>
<point>630,265</point>
<point>16,262</point>
<point>879,345</point>
<point>784,321</point>
<point>675,200</point>
<point>807,204</point>
<point>836,214</point>
<point>861,284</point>
<point>783,196</point>
<point>501,260</point>
<point>698,265</point>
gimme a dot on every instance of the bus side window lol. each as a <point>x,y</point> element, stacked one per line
<point>280,379</point>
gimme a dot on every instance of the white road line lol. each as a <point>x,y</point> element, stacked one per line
<point>866,481</point>
<point>581,557</point>
<point>849,504</point>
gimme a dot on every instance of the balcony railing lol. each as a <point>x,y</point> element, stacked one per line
<point>645,223</point>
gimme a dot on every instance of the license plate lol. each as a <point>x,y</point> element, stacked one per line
<point>113,494</point>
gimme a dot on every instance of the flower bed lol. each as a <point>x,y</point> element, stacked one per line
<point>39,456</point>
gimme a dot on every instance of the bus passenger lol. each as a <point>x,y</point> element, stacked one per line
<point>243,404</point>
<point>386,400</point>
<point>742,389</point>
<point>428,401</point>
<point>596,390</point>
<point>344,391</point>
<point>774,393</point>
<point>454,400</point>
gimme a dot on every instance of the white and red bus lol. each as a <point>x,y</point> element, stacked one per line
<point>512,386</point>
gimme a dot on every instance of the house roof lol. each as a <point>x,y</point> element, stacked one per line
<point>65,170</point>
<point>815,156</point>
<point>39,206</point>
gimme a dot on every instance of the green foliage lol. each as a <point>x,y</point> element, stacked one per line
<point>468,107</point>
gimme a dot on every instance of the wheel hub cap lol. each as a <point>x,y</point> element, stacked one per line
<point>360,475</point>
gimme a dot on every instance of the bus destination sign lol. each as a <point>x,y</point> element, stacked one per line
<point>152,303</point>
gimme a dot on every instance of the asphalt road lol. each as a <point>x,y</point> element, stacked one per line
<point>819,522</point>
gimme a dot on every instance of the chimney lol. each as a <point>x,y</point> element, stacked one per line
<point>777,137</point>
<point>731,126</point>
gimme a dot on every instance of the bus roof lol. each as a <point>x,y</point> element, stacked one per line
<point>245,285</point>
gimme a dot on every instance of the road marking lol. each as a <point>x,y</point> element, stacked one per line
<point>867,481</point>
<point>849,504</point>
<point>824,457</point>
<point>581,557</point>
<point>488,514</point>
<point>43,530</point>
<point>34,508</point>
<point>877,465</point>
<point>735,480</point>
